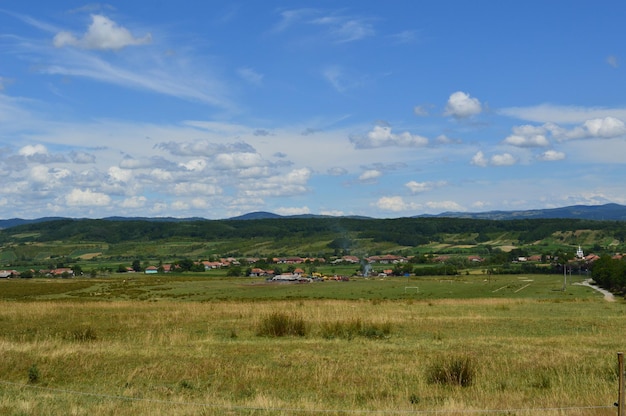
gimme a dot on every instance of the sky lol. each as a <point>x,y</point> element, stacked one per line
<point>215,109</point>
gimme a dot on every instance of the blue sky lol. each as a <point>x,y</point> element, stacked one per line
<point>215,109</point>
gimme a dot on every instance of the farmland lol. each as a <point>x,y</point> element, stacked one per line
<point>192,344</point>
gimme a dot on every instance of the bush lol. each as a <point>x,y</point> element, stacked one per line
<point>33,374</point>
<point>279,324</point>
<point>454,371</point>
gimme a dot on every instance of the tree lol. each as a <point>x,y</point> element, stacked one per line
<point>136,265</point>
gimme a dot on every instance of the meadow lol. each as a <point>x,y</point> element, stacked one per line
<point>197,345</point>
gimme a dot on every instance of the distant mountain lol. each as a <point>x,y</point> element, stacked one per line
<point>14,222</point>
<point>259,215</point>
<point>607,212</point>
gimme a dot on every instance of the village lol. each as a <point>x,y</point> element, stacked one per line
<point>305,269</point>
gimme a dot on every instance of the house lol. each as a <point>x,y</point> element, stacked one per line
<point>61,272</point>
<point>475,259</point>
<point>5,274</point>
<point>256,272</point>
<point>151,270</point>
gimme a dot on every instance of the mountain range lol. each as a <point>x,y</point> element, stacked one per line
<point>606,212</point>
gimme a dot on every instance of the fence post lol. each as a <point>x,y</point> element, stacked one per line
<point>620,394</point>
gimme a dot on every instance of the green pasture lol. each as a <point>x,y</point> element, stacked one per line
<point>202,287</point>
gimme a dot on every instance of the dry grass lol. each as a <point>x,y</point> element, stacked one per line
<point>140,358</point>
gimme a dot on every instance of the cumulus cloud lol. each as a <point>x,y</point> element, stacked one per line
<point>548,113</point>
<point>103,33</point>
<point>370,175</point>
<point>194,188</point>
<point>551,155</point>
<point>461,105</point>
<point>292,183</point>
<point>195,165</point>
<point>394,204</point>
<point>479,159</point>
<point>239,160</point>
<point>528,136</point>
<point>82,157</point>
<point>48,176</point>
<point>120,175</point>
<point>381,136</point>
<point>134,202</point>
<point>31,150</point>
<point>419,187</point>
<point>504,159</point>
<point>332,213</point>
<point>597,128</point>
<point>80,198</point>
<point>203,148</point>
<point>337,171</point>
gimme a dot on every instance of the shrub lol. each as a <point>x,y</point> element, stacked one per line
<point>454,371</point>
<point>279,324</point>
<point>33,374</point>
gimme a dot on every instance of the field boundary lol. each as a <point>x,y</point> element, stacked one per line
<point>294,410</point>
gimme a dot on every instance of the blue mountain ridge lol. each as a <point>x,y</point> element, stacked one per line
<point>606,212</point>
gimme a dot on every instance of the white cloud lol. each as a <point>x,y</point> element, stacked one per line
<point>370,175</point>
<point>134,202</point>
<point>293,210</point>
<point>528,136</point>
<point>548,113</point>
<point>606,127</point>
<point>337,171</point>
<point>292,183</point>
<point>87,197</point>
<point>48,176</point>
<point>195,165</point>
<point>395,204</point>
<point>31,150</point>
<point>343,29</point>
<point>161,175</point>
<point>120,175</point>
<point>479,159</point>
<point>505,159</point>
<point>332,213</point>
<point>551,155</point>
<point>82,157</point>
<point>194,188</point>
<point>420,110</point>
<point>381,136</point>
<point>103,33</point>
<point>461,105</point>
<point>239,160</point>
<point>419,187</point>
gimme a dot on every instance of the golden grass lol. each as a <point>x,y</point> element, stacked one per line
<point>205,358</point>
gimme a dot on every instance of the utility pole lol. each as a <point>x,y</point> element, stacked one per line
<point>620,395</point>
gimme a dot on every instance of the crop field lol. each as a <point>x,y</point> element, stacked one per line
<point>198,345</point>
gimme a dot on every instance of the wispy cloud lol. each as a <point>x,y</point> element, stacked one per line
<point>144,69</point>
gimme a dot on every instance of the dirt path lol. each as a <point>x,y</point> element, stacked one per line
<point>608,296</point>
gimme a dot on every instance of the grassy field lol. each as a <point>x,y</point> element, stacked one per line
<point>187,345</point>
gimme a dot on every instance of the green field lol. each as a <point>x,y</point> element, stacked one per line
<point>187,345</point>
